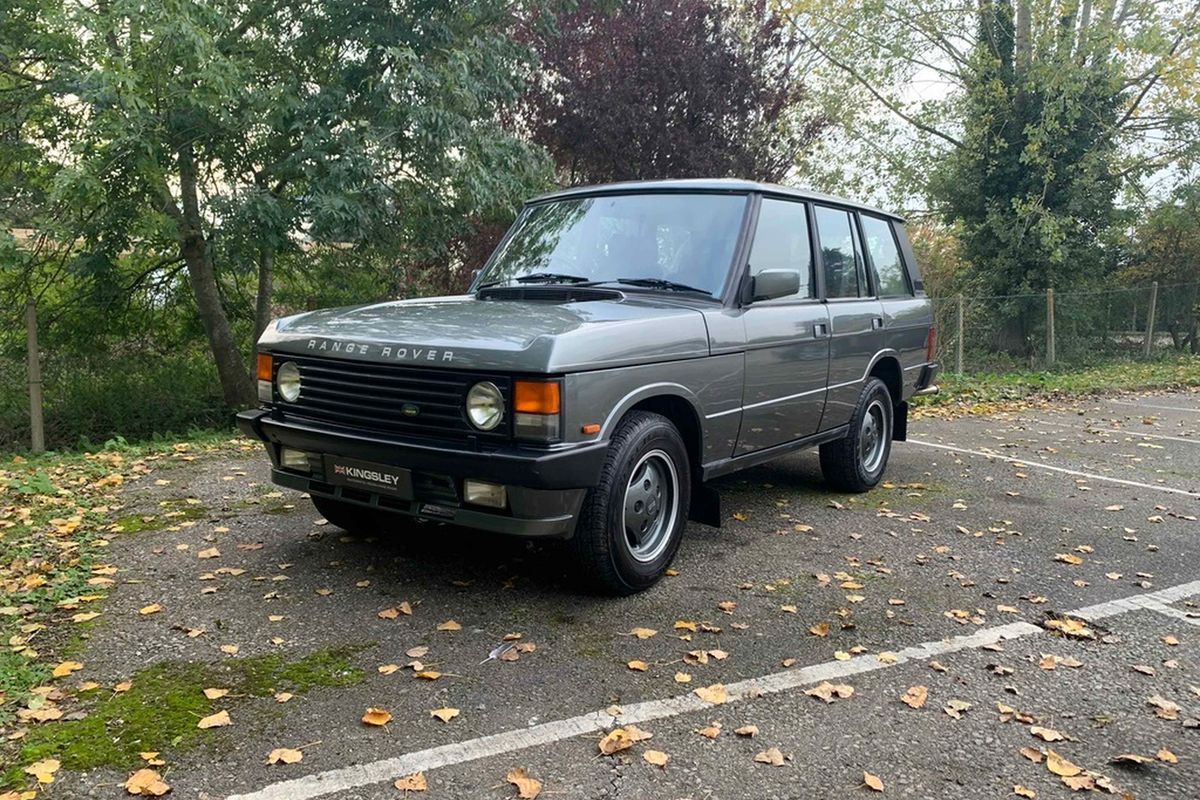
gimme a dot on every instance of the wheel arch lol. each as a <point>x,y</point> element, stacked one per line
<point>681,409</point>
<point>887,368</point>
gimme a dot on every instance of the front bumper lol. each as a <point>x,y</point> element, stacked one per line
<point>545,487</point>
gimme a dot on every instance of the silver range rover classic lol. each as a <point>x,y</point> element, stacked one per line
<point>623,346</point>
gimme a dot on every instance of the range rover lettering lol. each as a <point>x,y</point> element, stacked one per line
<point>622,347</point>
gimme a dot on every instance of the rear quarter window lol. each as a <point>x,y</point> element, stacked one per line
<point>886,263</point>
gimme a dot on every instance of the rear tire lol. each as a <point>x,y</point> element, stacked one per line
<point>856,463</point>
<point>632,522</point>
<point>355,519</point>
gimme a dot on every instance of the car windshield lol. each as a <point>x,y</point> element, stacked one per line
<point>658,242</point>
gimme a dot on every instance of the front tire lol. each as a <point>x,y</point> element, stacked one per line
<point>856,463</point>
<point>632,522</point>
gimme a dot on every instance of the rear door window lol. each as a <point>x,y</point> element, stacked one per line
<point>840,254</point>
<point>886,263</point>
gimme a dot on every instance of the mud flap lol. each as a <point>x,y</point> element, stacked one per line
<point>900,422</point>
<point>706,505</point>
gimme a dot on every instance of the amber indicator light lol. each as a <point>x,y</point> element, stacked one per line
<point>536,397</point>
<point>264,367</point>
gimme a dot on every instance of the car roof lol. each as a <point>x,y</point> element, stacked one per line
<point>729,185</point>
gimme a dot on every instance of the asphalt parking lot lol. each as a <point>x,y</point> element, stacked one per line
<point>1030,579</point>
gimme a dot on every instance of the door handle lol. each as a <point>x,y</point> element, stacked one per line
<point>876,323</point>
<point>820,330</point>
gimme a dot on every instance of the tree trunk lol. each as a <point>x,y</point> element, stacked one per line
<point>266,287</point>
<point>236,385</point>
<point>1024,45</point>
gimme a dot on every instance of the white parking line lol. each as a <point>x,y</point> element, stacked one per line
<point>1151,405</point>
<point>353,777</point>
<point>1052,468</point>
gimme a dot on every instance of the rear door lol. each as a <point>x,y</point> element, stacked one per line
<point>905,316</point>
<point>855,314</point>
<point>787,341</point>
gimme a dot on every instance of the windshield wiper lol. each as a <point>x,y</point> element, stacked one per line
<point>550,277</point>
<point>661,283</point>
<point>538,277</point>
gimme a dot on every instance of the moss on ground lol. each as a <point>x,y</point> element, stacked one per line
<point>173,512</point>
<point>160,711</point>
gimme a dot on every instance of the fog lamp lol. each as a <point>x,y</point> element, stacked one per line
<point>482,493</point>
<point>293,459</point>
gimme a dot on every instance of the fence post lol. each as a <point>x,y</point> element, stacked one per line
<point>37,431</point>
<point>1149,343</point>
<point>958,342</point>
<point>1049,327</point>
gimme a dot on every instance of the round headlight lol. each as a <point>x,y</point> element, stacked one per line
<point>287,381</point>
<point>485,405</point>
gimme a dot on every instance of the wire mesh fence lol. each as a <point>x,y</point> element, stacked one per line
<point>1051,329</point>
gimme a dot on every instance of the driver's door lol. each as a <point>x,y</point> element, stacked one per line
<point>787,338</point>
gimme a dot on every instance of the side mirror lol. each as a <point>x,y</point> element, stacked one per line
<point>772,283</point>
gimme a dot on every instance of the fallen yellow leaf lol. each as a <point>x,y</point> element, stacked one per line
<point>714,694</point>
<point>377,717</point>
<point>916,696</point>
<point>217,720</point>
<point>412,783</point>
<point>284,755</point>
<point>528,787</point>
<point>830,691</point>
<point>770,756</point>
<point>872,781</point>
<point>656,757</point>
<point>44,770</point>
<point>1046,734</point>
<point>66,668</point>
<point>147,783</point>
<point>1060,766</point>
<point>444,714</point>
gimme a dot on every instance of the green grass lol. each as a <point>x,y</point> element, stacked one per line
<point>989,388</point>
<point>160,711</point>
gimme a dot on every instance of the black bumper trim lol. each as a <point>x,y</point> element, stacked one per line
<point>559,526</point>
<point>575,468</point>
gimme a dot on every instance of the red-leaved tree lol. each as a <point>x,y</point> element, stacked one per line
<point>669,89</point>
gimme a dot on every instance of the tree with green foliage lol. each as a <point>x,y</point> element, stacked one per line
<point>1165,247</point>
<point>1020,121</point>
<point>206,138</point>
<point>1033,181</point>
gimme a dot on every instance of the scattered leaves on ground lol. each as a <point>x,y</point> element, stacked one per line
<point>528,787</point>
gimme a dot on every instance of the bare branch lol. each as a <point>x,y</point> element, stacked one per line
<point>891,106</point>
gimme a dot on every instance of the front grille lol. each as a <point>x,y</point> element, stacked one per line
<point>370,396</point>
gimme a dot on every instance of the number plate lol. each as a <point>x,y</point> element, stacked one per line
<point>378,478</point>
